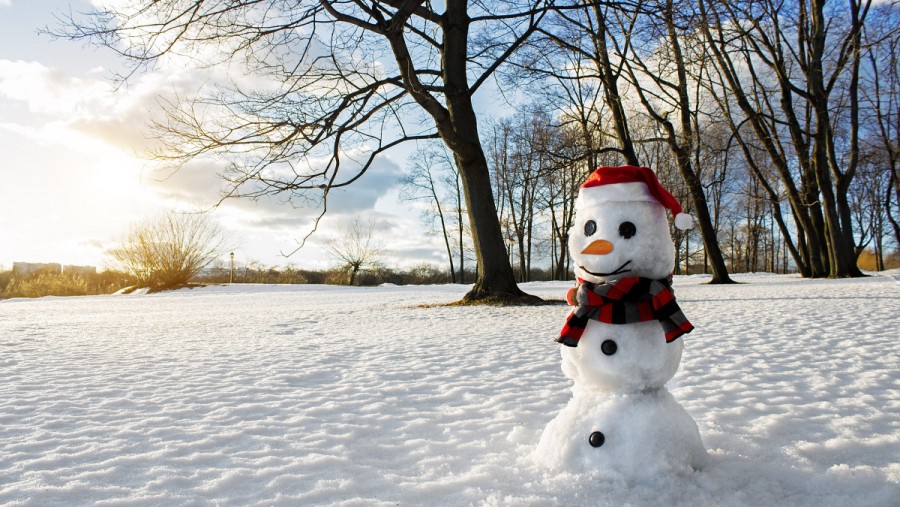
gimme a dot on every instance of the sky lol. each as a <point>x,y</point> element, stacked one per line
<point>72,180</point>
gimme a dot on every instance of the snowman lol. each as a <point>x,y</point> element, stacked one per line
<point>621,341</point>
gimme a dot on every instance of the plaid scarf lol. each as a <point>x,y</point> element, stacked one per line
<point>624,301</point>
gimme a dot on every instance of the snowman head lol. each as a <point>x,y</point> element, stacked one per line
<point>621,228</point>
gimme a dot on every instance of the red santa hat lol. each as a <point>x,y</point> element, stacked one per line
<point>629,183</point>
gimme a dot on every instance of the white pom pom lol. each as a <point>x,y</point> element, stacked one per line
<point>684,221</point>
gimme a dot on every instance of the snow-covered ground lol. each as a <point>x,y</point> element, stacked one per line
<point>304,395</point>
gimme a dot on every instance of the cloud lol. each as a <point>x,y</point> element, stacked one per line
<point>74,111</point>
<point>47,91</point>
<point>297,213</point>
<point>381,177</point>
<point>196,183</point>
<point>94,243</point>
<point>283,224</point>
<point>5,3</point>
<point>86,113</point>
<point>91,105</point>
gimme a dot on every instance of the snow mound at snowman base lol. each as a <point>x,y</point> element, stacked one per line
<point>643,434</point>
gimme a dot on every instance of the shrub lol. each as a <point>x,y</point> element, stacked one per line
<point>170,250</point>
<point>335,277</point>
<point>46,284</point>
<point>313,276</point>
<point>5,278</point>
<point>426,274</point>
<point>866,260</point>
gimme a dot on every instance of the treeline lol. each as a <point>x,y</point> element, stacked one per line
<point>776,125</point>
<point>423,274</point>
<point>108,282</point>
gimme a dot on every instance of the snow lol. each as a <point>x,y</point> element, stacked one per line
<point>310,395</point>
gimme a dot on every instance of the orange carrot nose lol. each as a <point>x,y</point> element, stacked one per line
<point>599,247</point>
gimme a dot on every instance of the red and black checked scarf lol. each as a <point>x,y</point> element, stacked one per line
<point>624,301</point>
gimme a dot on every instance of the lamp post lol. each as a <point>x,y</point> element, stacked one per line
<point>231,277</point>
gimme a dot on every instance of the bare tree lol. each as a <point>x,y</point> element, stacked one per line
<point>882,95</point>
<point>718,155</point>
<point>573,52</point>
<point>433,177</point>
<point>356,247</point>
<point>594,50</point>
<point>346,79</point>
<point>792,77</point>
<point>170,250</point>
<point>601,47</point>
<point>868,209</point>
<point>518,154</point>
<point>561,182</point>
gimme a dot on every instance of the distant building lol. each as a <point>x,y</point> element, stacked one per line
<point>27,268</point>
<point>80,270</point>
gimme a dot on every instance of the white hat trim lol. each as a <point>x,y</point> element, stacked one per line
<point>589,197</point>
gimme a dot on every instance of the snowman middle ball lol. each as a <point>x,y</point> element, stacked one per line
<point>640,358</point>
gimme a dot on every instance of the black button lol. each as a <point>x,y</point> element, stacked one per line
<point>596,439</point>
<point>609,347</point>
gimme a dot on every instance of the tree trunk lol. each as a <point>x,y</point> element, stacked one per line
<point>843,179</point>
<point>561,263</point>
<point>459,131</point>
<point>694,185</point>
<point>459,221</point>
<point>708,232</point>
<point>609,77</point>
<point>677,270</point>
<point>842,261</point>
<point>457,127</point>
<point>888,198</point>
<point>495,276</point>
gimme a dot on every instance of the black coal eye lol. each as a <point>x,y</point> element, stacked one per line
<point>608,347</point>
<point>627,230</point>
<point>590,227</point>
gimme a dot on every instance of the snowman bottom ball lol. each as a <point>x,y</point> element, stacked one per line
<point>636,435</point>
